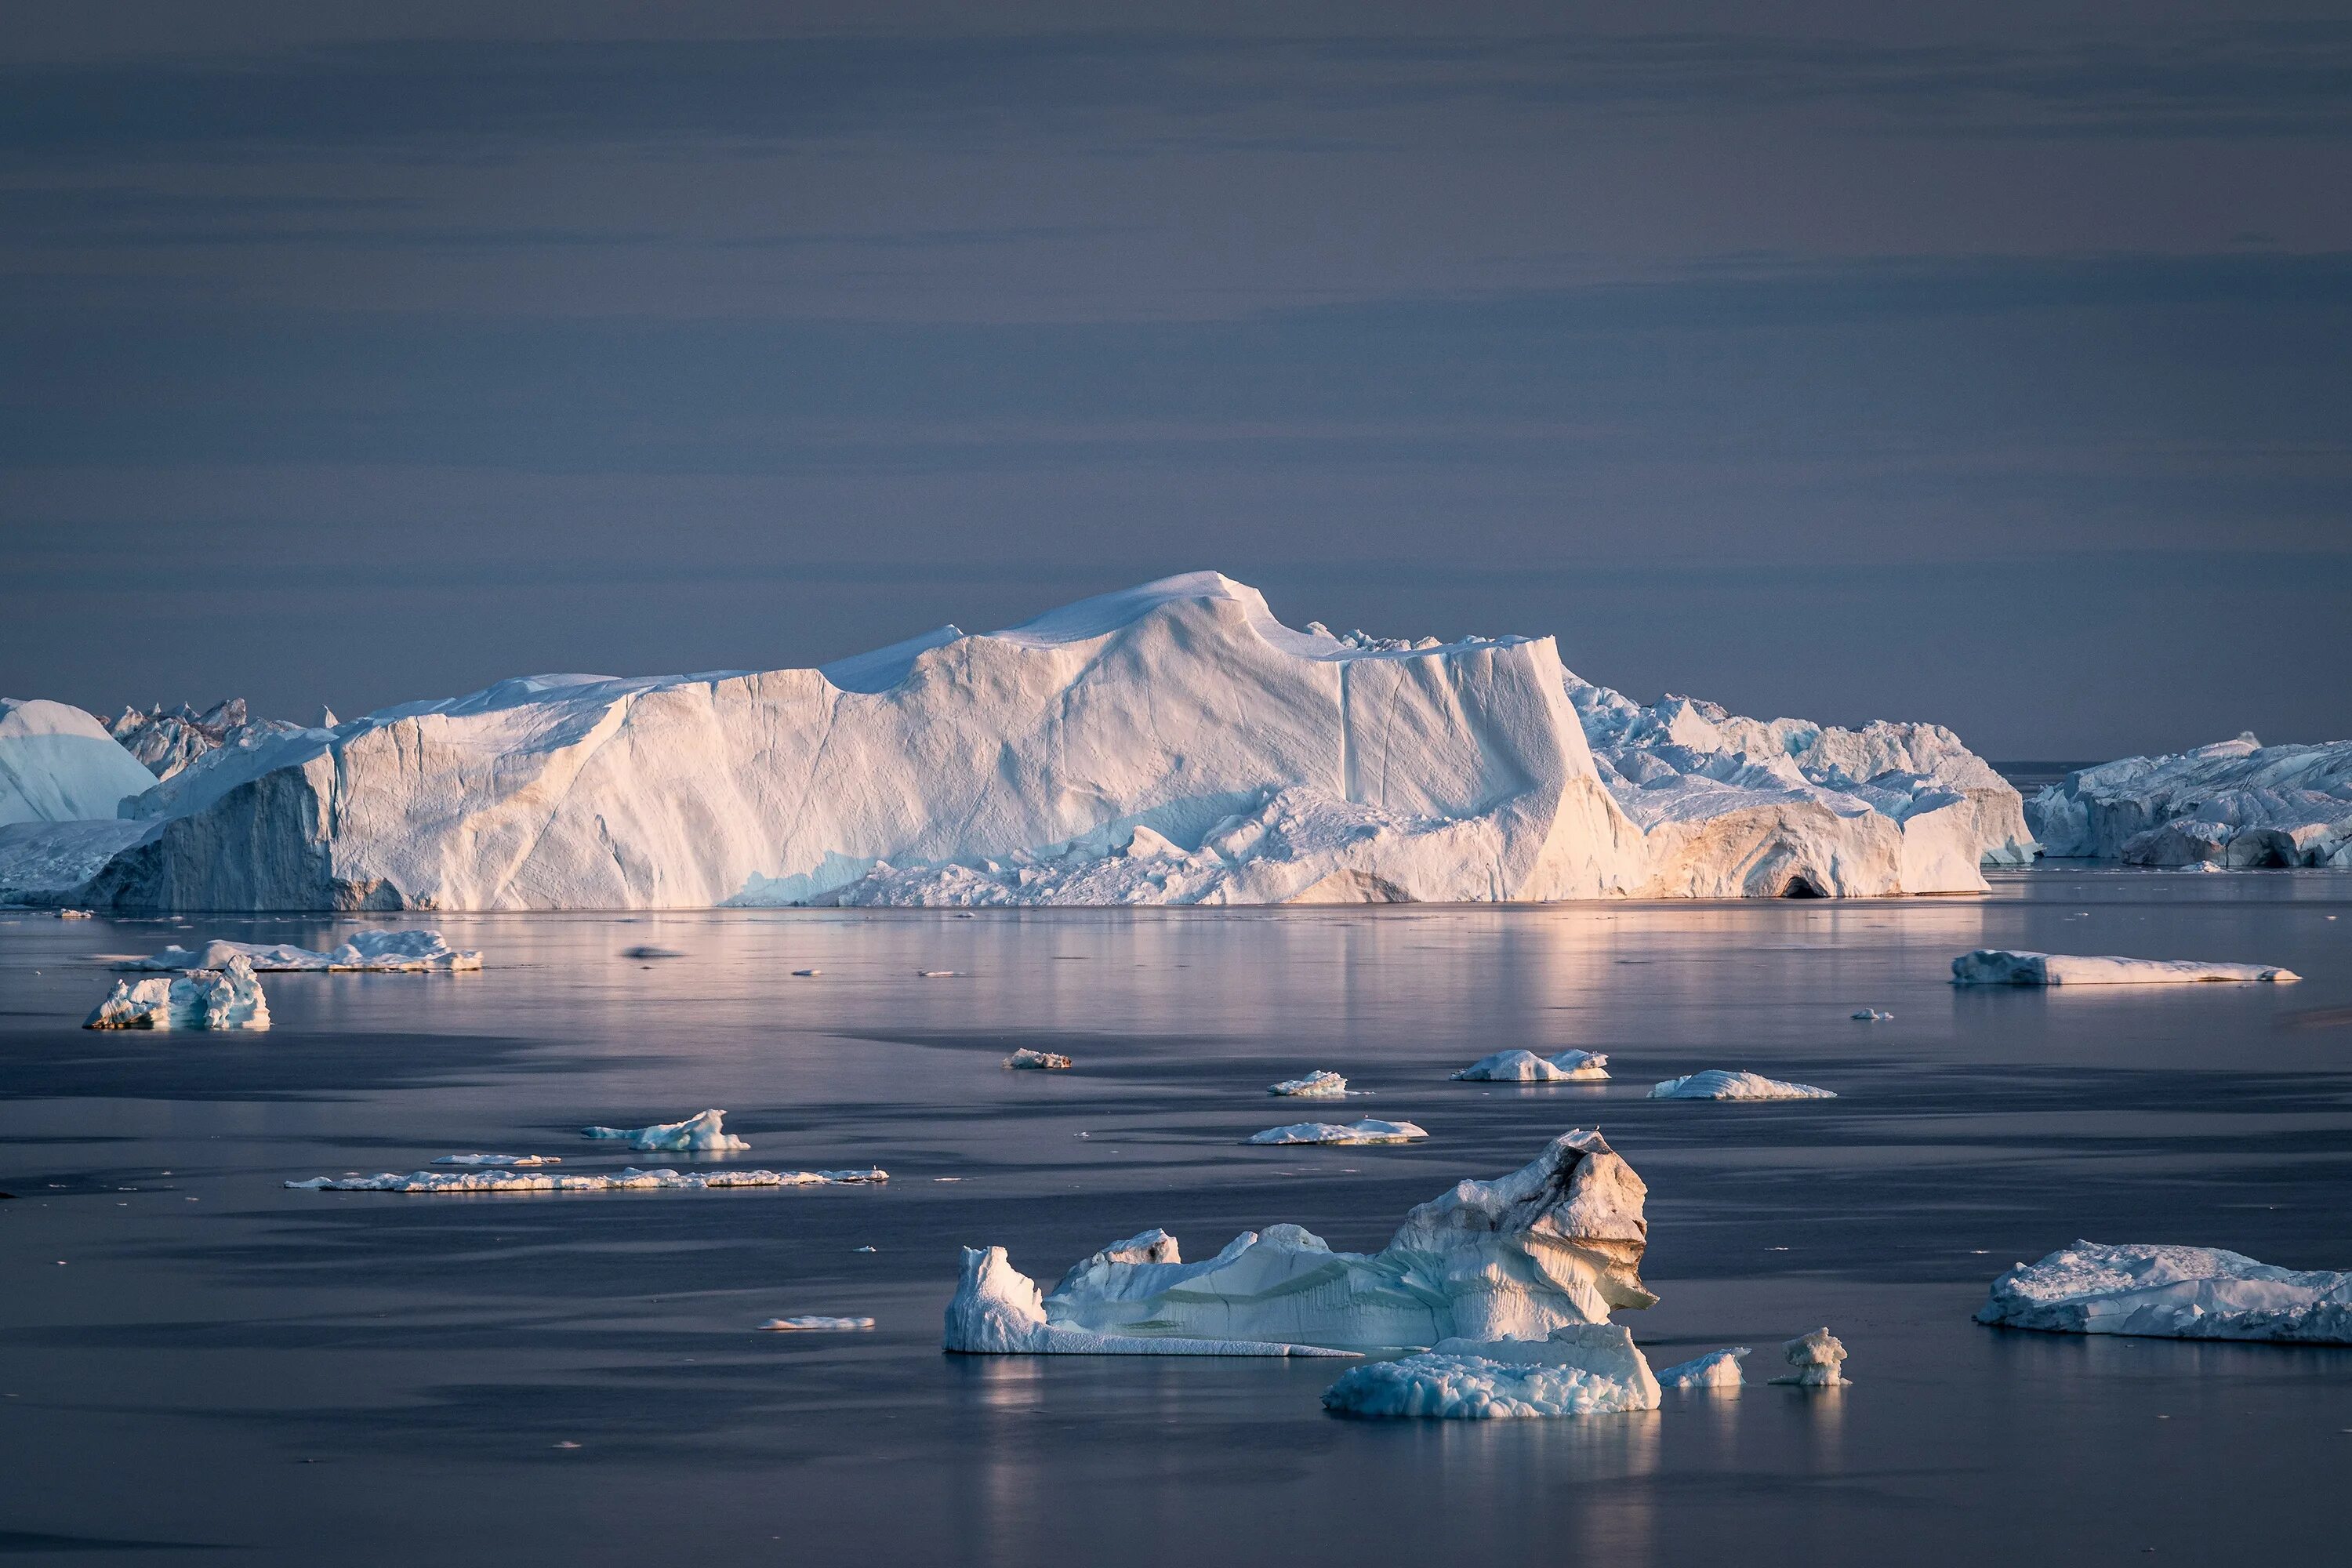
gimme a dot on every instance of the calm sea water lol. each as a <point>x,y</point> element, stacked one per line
<point>198,1362</point>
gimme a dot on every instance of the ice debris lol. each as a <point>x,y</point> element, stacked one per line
<point>1581,1369</point>
<point>2237,804</point>
<point>1043,1061</point>
<point>1717,1369</point>
<point>1818,1358</point>
<point>2171,1292</point>
<point>814,1324</point>
<point>476,1161</point>
<point>1872,1016</point>
<point>224,998</point>
<point>704,1132</point>
<point>1997,967</point>
<point>651,952</point>
<point>1370,1130</point>
<point>660,1178</point>
<point>1317,1085</point>
<point>402,951</point>
<point>1525,1067</point>
<point>1715,1083</point>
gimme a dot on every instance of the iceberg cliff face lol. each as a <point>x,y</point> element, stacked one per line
<point>2235,803</point>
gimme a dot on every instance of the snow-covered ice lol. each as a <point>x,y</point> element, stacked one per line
<point>1558,1242</point>
<point>224,998</point>
<point>1042,1061</point>
<point>2235,803</point>
<point>1321,1084</point>
<point>1368,1130</point>
<point>58,764</point>
<point>167,743</point>
<point>1715,1083</point>
<point>509,1161</point>
<point>1525,1067</point>
<point>2171,1292</point>
<point>1581,1369</point>
<point>660,1178</point>
<point>1996,966</point>
<point>1817,1360</point>
<point>1715,1369</point>
<point>814,1324</point>
<point>704,1132</point>
<point>388,951</point>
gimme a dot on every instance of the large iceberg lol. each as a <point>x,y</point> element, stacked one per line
<point>59,764</point>
<point>381,951</point>
<point>224,998</point>
<point>1174,743</point>
<point>1556,1242</point>
<point>1582,1369</point>
<point>2235,803</point>
<point>2001,966</point>
<point>2171,1292</point>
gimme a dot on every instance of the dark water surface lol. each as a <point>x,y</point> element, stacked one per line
<point>272,1376</point>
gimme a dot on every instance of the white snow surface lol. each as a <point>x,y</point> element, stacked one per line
<point>1997,967</point>
<point>1715,1369</point>
<point>1172,743</point>
<point>1558,1242</point>
<point>224,998</point>
<point>1321,1084</point>
<point>1368,1130</point>
<point>702,1133</point>
<point>660,1178</point>
<point>58,764</point>
<point>1581,1369</point>
<point>1818,1359</point>
<point>388,951</point>
<point>167,744</point>
<point>2234,804</point>
<point>2171,1292</point>
<point>1525,1067</point>
<point>1716,1083</point>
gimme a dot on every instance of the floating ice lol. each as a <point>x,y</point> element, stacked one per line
<point>1715,1083</point>
<point>1717,1369</point>
<point>512,1161</point>
<point>1525,1067</point>
<point>75,915</point>
<point>812,1324</point>
<point>1995,966</point>
<point>704,1132</point>
<point>1367,1131</point>
<point>806,973</point>
<point>2171,1292</point>
<point>1818,1358</point>
<point>1317,1085</point>
<point>2235,803</point>
<point>1557,1242</point>
<point>1582,1369</point>
<point>1872,1016</point>
<point>660,1178</point>
<point>224,998</point>
<point>1043,1061</point>
<point>402,951</point>
<point>651,952</point>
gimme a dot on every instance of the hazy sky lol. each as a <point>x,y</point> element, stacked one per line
<point>1818,359</point>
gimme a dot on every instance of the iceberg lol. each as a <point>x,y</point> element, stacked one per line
<point>1717,1084</point>
<point>1556,1242</point>
<point>660,1178</point>
<point>2171,1292</point>
<point>1321,1084</point>
<point>1042,1061</point>
<point>381,951</point>
<point>1581,1369</point>
<point>1872,1016</point>
<point>1996,966</point>
<point>813,1324</point>
<point>2236,804</point>
<point>224,998</point>
<point>1717,1369</point>
<point>702,1133</point>
<point>58,764</point>
<point>1370,1130</point>
<point>1818,1359</point>
<point>167,744</point>
<point>478,1161</point>
<point>1525,1067</point>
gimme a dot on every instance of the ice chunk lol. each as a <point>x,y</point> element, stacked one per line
<point>1557,1242</point>
<point>1582,1369</point>
<point>1996,966</point>
<point>512,1161</point>
<point>2171,1292</point>
<point>660,1178</point>
<point>704,1132</point>
<point>1043,1061</point>
<point>224,998</point>
<point>651,952</point>
<point>402,951</point>
<point>812,1324</point>
<point>1717,1369</point>
<point>1818,1358</point>
<point>996,1310</point>
<point>1715,1083</point>
<point>1525,1067</point>
<point>1317,1085</point>
<point>1367,1131</point>
<point>1872,1016</point>
<point>2232,804</point>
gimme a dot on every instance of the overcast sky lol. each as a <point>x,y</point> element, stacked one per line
<point>1821,360</point>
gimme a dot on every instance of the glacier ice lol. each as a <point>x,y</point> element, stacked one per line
<point>1321,1084</point>
<point>701,1133</point>
<point>2171,1292</point>
<point>224,998</point>
<point>660,1178</point>
<point>1368,1130</point>
<point>1818,1359</point>
<point>59,764</point>
<point>1555,1242</point>
<point>1525,1067</point>
<point>1997,967</point>
<point>1715,1083</point>
<point>1717,1369</point>
<point>2234,804</point>
<point>1581,1369</point>
<point>167,743</point>
<point>812,1323</point>
<point>406,951</point>
<point>1042,1061</point>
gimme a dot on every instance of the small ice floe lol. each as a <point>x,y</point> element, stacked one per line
<point>1317,1085</point>
<point>514,1162</point>
<point>377,950</point>
<point>661,1178</point>
<point>1525,1067</point>
<point>1817,1358</point>
<point>74,915</point>
<point>1043,1061</point>
<point>703,1133</point>
<point>1715,1369</point>
<point>816,1325</point>
<point>861,1250</point>
<point>2171,1292</point>
<point>935,974</point>
<point>224,998</point>
<point>651,952</point>
<point>1872,1016</point>
<point>806,973</point>
<point>1368,1131</point>
<point>1997,967</point>
<point>1582,1369</point>
<point>1717,1084</point>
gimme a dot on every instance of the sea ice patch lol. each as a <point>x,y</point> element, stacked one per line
<point>1525,1067</point>
<point>1317,1085</point>
<point>2171,1292</point>
<point>816,1325</point>
<point>1716,1083</point>
<point>1368,1130</point>
<point>702,1133</point>
<point>1041,1061</point>
<point>660,1178</point>
<point>367,951</point>
<point>1998,966</point>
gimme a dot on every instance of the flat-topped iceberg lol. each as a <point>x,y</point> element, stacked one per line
<point>512,1161</point>
<point>704,1132</point>
<point>2171,1292</point>
<point>58,764</point>
<point>1716,1083</point>
<point>1997,967</point>
<point>224,998</point>
<point>1582,1369</point>
<point>1556,1243</point>
<point>1715,1369</point>
<point>660,1178</point>
<point>379,950</point>
<point>2235,803</point>
<point>1370,1130</point>
<point>1525,1067</point>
